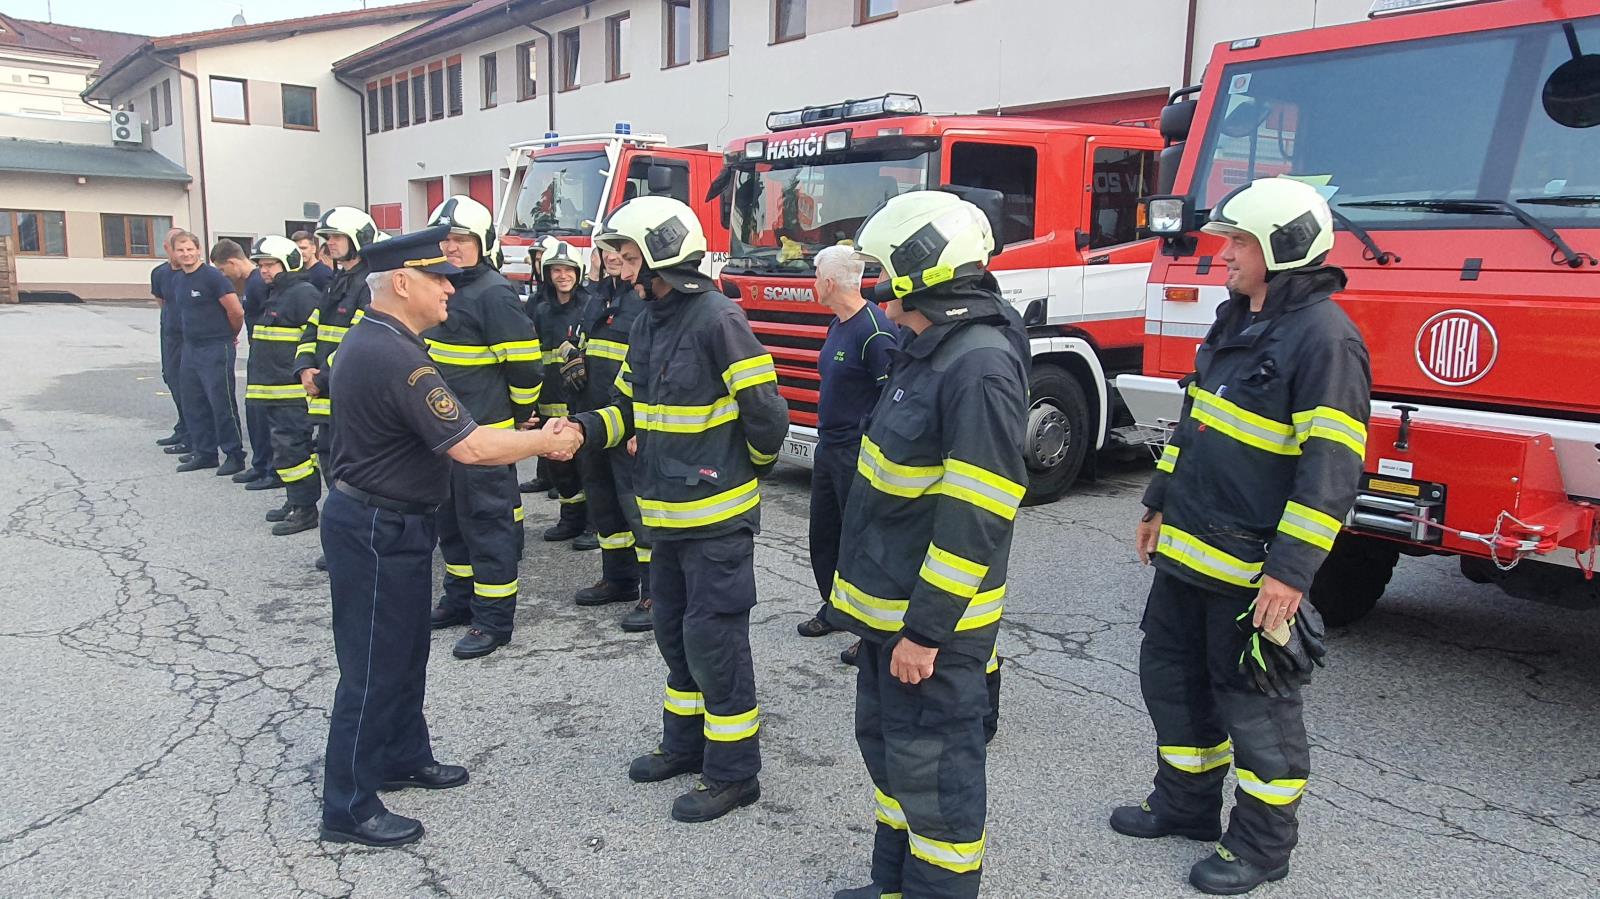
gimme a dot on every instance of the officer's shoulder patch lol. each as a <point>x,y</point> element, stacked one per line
<point>443,405</point>
<point>414,377</point>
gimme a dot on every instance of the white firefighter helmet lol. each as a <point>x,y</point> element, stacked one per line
<point>284,250</point>
<point>1290,218</point>
<point>559,252</point>
<point>666,230</point>
<point>925,238</point>
<point>352,223</point>
<point>464,215</point>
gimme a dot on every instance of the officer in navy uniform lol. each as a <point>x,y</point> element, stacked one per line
<point>161,279</point>
<point>212,317</point>
<point>397,429</point>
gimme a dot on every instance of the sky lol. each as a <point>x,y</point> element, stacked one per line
<point>159,17</point>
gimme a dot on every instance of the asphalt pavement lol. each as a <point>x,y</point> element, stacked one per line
<point>168,670</point>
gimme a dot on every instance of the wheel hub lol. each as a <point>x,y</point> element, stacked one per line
<point>1049,436</point>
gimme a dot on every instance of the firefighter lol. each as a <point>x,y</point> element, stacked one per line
<point>489,356</point>
<point>540,482</point>
<point>231,259</point>
<point>271,384</point>
<point>922,575</point>
<point>608,474</point>
<point>559,309</point>
<point>699,396</point>
<point>1245,504</point>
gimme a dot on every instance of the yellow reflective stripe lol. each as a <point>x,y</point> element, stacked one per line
<point>621,383</point>
<point>360,314</point>
<point>715,508</point>
<point>319,405</point>
<point>1331,424</point>
<point>1305,523</point>
<point>993,664</point>
<point>460,353</point>
<point>958,857</point>
<point>889,810</point>
<point>888,615</point>
<point>893,478</point>
<point>984,609</point>
<point>623,540</point>
<point>732,728</point>
<point>759,458</point>
<point>642,553</point>
<point>506,425</point>
<point>1243,425</point>
<point>982,488</point>
<point>551,357</point>
<point>316,316</point>
<point>611,418</point>
<point>553,410</point>
<point>516,351</point>
<point>685,703</point>
<point>1168,460</point>
<point>331,333</point>
<point>495,591</point>
<point>1191,552</point>
<point>1272,792</point>
<point>749,373</point>
<point>574,499</point>
<point>606,349</point>
<point>299,472</point>
<point>1198,759</point>
<point>458,570</point>
<point>952,573</point>
<point>306,349</point>
<point>519,513</point>
<point>684,419</point>
<point>274,392</point>
<point>280,335</point>
<point>525,396</point>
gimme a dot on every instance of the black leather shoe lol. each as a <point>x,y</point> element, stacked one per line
<point>1139,821</point>
<point>169,440</point>
<point>321,564</point>
<point>477,644</point>
<point>537,485</point>
<point>231,468</point>
<point>870,891</point>
<point>433,777</point>
<point>849,653</point>
<point>176,449</point>
<point>562,530</point>
<point>300,518</point>
<point>552,493</point>
<point>281,512</point>
<point>247,476</point>
<point>814,627</point>
<point>1224,874</point>
<point>441,618</point>
<point>196,463</point>
<point>586,541</point>
<point>639,620</point>
<point>661,765</point>
<point>711,799</point>
<point>381,830</point>
<point>604,592</point>
<point>265,482</point>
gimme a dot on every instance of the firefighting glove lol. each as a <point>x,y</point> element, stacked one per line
<point>574,372</point>
<point>1280,661</point>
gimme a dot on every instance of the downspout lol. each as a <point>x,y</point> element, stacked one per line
<point>1188,45</point>
<point>550,55</point>
<point>361,95</point>
<point>200,144</point>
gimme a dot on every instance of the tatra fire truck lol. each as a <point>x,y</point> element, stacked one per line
<point>1074,262</point>
<point>1457,146</point>
<point>570,183</point>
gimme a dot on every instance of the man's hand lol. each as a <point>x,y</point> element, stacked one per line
<point>308,380</point>
<point>532,424</point>
<point>912,663</point>
<point>1275,604</point>
<point>1146,536</point>
<point>633,445</point>
<point>566,436</point>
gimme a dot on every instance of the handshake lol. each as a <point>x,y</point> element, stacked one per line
<point>562,438</point>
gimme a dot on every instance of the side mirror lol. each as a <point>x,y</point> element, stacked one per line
<point>992,203</point>
<point>1082,239</point>
<point>1572,92</point>
<point>659,179</point>
<point>1177,119</point>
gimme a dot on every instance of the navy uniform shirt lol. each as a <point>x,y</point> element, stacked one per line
<point>320,274</point>
<point>397,418</point>
<point>854,364</point>
<point>161,278</point>
<point>255,298</point>
<point>199,294</point>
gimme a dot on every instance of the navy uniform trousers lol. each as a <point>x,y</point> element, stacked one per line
<point>380,568</point>
<point>480,537</point>
<point>292,451</point>
<point>172,376</point>
<point>210,400</point>
<point>703,590</point>
<point>1207,715</point>
<point>259,429</point>
<point>614,510</point>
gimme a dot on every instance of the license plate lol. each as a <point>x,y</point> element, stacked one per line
<point>797,449</point>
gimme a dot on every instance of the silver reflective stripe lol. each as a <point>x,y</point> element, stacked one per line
<point>906,482</point>
<point>659,511</point>
<point>1310,524</point>
<point>964,578</point>
<point>945,854</point>
<point>1196,558</point>
<point>1216,413</point>
<point>955,478</point>
<point>982,606</point>
<point>889,619</point>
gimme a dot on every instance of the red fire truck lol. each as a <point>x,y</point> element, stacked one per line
<point>1074,261</point>
<point>570,183</point>
<point>1458,152</point>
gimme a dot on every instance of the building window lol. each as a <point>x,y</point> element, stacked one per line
<point>788,20</point>
<point>874,10</point>
<point>230,101</point>
<point>155,109</point>
<point>419,96</point>
<point>527,71</point>
<point>133,236</point>
<point>37,233</point>
<point>617,29</point>
<point>571,53</point>
<point>1009,169</point>
<point>372,108</point>
<point>489,65</point>
<point>678,25</point>
<point>402,102</point>
<point>436,92</point>
<point>299,107</point>
<point>1121,177</point>
<point>166,102</point>
<point>386,104</point>
<point>713,28</point>
<point>453,75</point>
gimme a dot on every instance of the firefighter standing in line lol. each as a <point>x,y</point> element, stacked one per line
<point>232,260</point>
<point>540,482</point>
<point>1245,505</point>
<point>489,356</point>
<point>271,384</point>
<point>161,281</point>
<point>922,577</point>
<point>699,395</point>
<point>558,316</point>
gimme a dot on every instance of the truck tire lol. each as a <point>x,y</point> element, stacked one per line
<point>1058,438</point>
<point>1353,577</point>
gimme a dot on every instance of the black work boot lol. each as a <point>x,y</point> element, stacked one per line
<point>711,799</point>
<point>586,541</point>
<point>196,463</point>
<point>268,481</point>
<point>477,644</point>
<point>300,518</point>
<point>231,466</point>
<point>176,449</point>
<point>870,891</point>
<point>563,529</point>
<point>1140,821</point>
<point>604,592</point>
<point>281,512</point>
<point>661,765</point>
<point>248,475</point>
<point>639,620</point>
<point>536,485</point>
<point>383,830</point>
<point>321,564</point>
<point>1224,874</point>
<point>442,617</point>
<point>170,440</point>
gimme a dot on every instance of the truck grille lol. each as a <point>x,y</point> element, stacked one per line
<point>794,338</point>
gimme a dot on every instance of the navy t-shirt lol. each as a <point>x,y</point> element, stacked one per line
<point>161,278</point>
<point>854,364</point>
<point>320,275</point>
<point>198,294</point>
<point>255,298</point>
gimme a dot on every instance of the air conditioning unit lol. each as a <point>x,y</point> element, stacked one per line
<point>125,127</point>
<point>312,211</point>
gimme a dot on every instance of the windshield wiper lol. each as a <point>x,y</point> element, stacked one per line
<point>1380,256</point>
<point>1569,257</point>
<point>1567,200</point>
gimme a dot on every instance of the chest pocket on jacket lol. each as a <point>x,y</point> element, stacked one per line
<point>685,380</point>
<point>903,430</point>
<point>1260,387</point>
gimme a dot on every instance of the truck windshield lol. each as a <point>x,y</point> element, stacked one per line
<point>560,193</point>
<point>781,217</point>
<point>1448,118</point>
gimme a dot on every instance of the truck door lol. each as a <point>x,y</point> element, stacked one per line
<point>1116,251</point>
<point>1023,270</point>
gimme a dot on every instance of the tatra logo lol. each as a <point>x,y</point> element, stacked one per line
<point>1456,347</point>
<point>788,294</point>
<point>795,148</point>
<point>443,404</point>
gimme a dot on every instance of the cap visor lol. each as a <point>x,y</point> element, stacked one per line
<point>440,268</point>
<point>687,282</point>
<point>1222,228</point>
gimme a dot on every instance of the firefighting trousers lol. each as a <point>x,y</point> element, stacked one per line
<point>703,592</point>
<point>924,749</point>
<point>210,399</point>
<point>1208,716</point>
<point>171,375</point>
<point>259,431</point>
<point>380,570</point>
<point>322,438</point>
<point>569,487</point>
<point>614,512</point>
<point>480,537</point>
<point>292,450</point>
<point>833,467</point>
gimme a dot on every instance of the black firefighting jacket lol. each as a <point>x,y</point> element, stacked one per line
<point>613,308</point>
<point>343,304</point>
<point>271,374</point>
<point>1267,456</point>
<point>701,394</point>
<point>486,349</point>
<point>559,324</point>
<point>938,483</point>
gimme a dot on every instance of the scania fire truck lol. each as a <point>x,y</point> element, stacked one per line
<point>570,183</point>
<point>1456,143</point>
<point>1074,261</point>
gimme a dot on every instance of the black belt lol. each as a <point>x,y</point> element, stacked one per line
<point>383,502</point>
